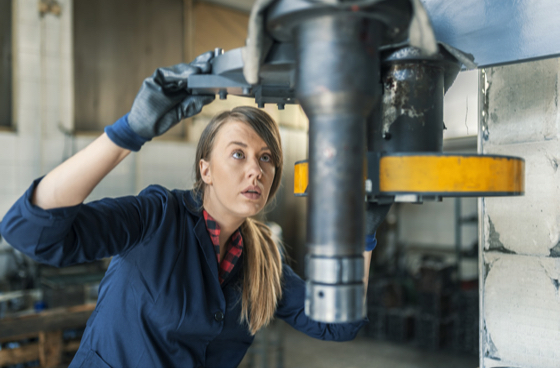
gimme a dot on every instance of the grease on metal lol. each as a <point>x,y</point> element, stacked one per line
<point>401,95</point>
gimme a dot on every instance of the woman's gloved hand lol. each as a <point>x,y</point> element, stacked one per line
<point>162,102</point>
<point>375,215</point>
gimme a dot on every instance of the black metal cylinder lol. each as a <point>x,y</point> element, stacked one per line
<point>411,116</point>
<point>337,84</point>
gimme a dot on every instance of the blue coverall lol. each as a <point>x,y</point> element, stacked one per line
<point>160,303</point>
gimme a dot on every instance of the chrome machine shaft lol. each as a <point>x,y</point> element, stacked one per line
<point>337,86</point>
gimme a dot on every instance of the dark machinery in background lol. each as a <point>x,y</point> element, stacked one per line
<point>370,77</point>
<point>28,281</point>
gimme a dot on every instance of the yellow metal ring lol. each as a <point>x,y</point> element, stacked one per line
<point>440,174</point>
<point>452,175</point>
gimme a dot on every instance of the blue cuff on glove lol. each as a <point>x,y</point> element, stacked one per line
<point>123,136</point>
<point>371,242</point>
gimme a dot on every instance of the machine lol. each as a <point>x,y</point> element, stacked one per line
<point>370,76</point>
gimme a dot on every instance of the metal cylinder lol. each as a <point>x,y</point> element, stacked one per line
<point>410,116</point>
<point>337,84</point>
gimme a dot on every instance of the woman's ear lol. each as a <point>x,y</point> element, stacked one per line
<point>204,167</point>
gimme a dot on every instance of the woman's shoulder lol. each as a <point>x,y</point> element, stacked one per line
<point>156,189</point>
<point>161,191</point>
<point>182,197</point>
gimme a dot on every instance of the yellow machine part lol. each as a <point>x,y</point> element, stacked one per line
<point>301,176</point>
<point>439,174</point>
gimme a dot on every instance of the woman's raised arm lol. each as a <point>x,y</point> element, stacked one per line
<point>163,101</point>
<point>72,181</point>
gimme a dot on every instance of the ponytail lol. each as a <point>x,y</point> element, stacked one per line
<point>262,270</point>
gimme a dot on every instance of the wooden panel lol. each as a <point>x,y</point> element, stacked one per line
<point>26,353</point>
<point>188,38</point>
<point>5,63</point>
<point>116,45</point>
<point>18,337</point>
<point>119,43</point>
<point>48,350</point>
<point>217,26</point>
<point>50,320</point>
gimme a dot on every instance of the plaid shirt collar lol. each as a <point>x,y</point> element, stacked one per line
<point>234,247</point>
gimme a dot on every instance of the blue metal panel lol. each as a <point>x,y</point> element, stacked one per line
<point>498,31</point>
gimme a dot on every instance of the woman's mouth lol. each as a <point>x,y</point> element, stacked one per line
<point>252,193</point>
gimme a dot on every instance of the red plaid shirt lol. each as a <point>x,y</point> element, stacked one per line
<point>234,247</point>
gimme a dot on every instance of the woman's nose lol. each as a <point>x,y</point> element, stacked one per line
<point>255,168</point>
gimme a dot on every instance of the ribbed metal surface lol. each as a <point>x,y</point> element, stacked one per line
<point>498,32</point>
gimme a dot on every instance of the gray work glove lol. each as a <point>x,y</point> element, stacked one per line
<point>375,215</point>
<point>162,102</point>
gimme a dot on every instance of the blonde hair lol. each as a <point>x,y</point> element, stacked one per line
<point>262,262</point>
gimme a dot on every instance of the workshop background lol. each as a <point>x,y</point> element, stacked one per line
<point>70,67</point>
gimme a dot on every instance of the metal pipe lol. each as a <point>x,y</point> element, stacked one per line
<point>337,84</point>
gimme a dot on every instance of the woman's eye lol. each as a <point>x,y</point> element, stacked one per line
<point>238,155</point>
<point>266,158</point>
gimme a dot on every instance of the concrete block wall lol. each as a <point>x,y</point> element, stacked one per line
<point>519,240</point>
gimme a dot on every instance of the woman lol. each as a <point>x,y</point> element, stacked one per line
<point>192,278</point>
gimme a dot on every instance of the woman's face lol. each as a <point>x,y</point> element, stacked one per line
<point>239,174</point>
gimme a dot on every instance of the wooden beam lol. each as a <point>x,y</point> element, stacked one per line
<point>19,337</point>
<point>34,351</point>
<point>49,320</point>
<point>50,348</point>
<point>188,49</point>
<point>189,27</point>
<point>26,353</point>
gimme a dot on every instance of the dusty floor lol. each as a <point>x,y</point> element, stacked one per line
<point>301,351</point>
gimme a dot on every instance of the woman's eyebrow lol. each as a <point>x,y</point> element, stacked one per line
<point>245,145</point>
<point>238,143</point>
